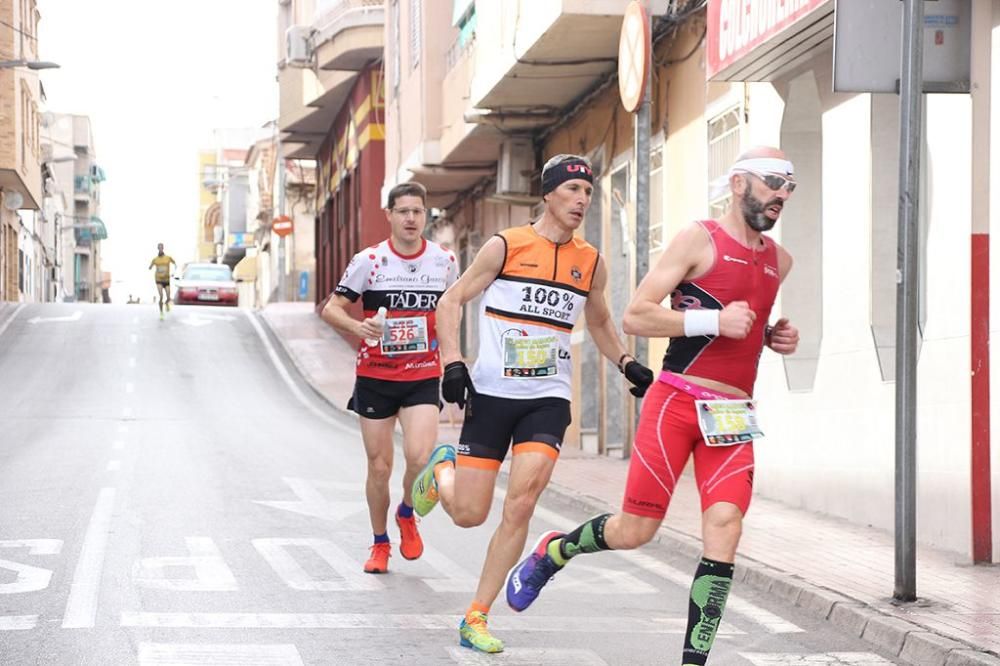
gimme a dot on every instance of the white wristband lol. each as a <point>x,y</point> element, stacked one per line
<point>701,322</point>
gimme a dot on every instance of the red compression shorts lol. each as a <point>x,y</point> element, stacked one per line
<point>667,434</point>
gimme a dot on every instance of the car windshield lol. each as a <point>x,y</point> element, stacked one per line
<point>209,273</point>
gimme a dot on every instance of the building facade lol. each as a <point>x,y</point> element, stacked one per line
<point>20,162</point>
<point>331,78</point>
<point>494,104</point>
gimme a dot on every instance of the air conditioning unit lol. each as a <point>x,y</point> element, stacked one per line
<point>298,50</point>
<point>514,171</point>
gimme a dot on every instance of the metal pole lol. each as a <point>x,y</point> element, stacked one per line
<point>280,166</point>
<point>907,274</point>
<point>642,129</point>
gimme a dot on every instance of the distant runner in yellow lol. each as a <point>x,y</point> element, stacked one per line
<point>161,262</point>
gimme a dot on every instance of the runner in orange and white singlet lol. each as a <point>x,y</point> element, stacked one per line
<point>536,281</point>
<point>721,278</point>
<point>399,282</point>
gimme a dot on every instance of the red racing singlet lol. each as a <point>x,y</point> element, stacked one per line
<point>739,273</point>
<point>408,286</point>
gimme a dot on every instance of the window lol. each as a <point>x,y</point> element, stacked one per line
<point>657,223</point>
<point>414,33</point>
<point>396,60</point>
<point>724,140</point>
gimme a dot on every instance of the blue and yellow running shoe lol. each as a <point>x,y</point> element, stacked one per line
<point>425,492</point>
<point>473,633</point>
<point>526,580</point>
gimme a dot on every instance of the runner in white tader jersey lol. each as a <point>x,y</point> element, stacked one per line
<point>398,369</point>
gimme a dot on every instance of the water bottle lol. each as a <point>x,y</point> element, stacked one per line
<point>380,318</point>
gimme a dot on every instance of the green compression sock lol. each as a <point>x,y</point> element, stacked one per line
<point>587,538</point>
<point>709,591</point>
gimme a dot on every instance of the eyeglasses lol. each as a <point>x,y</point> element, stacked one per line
<point>406,212</point>
<point>775,182</point>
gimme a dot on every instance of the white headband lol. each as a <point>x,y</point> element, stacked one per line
<point>764,165</point>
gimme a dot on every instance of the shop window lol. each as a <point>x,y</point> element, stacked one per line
<point>885,216</point>
<point>801,227</point>
<point>725,137</point>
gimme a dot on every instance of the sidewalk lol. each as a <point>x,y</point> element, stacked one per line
<point>826,566</point>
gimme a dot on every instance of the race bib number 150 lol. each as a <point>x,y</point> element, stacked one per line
<point>728,422</point>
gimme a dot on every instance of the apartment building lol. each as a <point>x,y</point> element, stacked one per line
<point>20,165</point>
<point>331,79</point>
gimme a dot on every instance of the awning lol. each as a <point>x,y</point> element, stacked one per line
<point>97,229</point>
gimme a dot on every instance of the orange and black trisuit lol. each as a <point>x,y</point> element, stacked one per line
<point>523,374</point>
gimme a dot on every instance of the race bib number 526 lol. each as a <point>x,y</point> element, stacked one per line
<point>728,422</point>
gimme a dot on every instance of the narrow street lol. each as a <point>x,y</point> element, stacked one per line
<point>171,492</point>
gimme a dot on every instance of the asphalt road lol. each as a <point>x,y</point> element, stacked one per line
<point>172,493</point>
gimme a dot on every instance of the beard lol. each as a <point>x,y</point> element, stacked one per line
<point>753,209</point>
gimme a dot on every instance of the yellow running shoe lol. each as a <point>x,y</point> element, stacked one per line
<point>424,494</point>
<point>474,633</point>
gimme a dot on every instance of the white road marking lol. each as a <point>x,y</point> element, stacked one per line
<point>526,657</point>
<point>29,578</point>
<point>122,428</point>
<point>350,576</point>
<point>81,607</point>
<point>195,320</point>
<point>17,310</point>
<point>129,387</point>
<point>313,503</point>
<point>239,654</point>
<point>127,413</point>
<point>44,320</point>
<point>834,658</point>
<point>617,625</point>
<point>131,362</point>
<point>454,577</point>
<point>211,574</point>
<point>135,320</point>
<point>133,338</point>
<point>18,622</point>
<point>771,622</point>
<point>118,445</point>
<point>114,465</point>
<point>283,372</point>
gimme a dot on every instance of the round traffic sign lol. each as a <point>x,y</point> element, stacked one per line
<point>633,56</point>
<point>282,225</point>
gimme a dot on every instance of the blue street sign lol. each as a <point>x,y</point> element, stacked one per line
<point>303,285</point>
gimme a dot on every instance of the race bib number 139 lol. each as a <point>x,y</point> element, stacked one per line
<point>728,422</point>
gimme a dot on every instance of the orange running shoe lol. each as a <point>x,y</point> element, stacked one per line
<point>379,561</point>
<point>411,546</point>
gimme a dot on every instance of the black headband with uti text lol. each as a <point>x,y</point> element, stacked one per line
<point>558,174</point>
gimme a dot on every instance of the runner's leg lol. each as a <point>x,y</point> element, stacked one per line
<point>529,474</point>
<point>377,436</point>
<point>420,428</point>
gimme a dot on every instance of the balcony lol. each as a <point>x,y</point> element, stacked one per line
<point>531,59</point>
<point>348,33</point>
<point>83,187</point>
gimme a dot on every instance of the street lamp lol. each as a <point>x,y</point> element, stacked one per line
<point>30,64</point>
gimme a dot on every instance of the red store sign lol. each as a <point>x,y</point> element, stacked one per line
<point>737,27</point>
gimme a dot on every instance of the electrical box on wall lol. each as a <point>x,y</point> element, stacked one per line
<point>298,52</point>
<point>515,169</point>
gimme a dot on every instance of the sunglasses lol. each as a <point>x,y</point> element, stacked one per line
<point>775,182</point>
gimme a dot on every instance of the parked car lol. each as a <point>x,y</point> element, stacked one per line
<point>206,284</point>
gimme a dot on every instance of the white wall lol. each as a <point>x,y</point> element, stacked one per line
<point>831,448</point>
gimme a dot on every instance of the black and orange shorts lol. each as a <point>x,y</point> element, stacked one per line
<point>492,424</point>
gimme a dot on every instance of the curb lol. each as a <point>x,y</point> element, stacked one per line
<point>910,642</point>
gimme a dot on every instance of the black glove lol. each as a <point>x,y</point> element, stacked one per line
<point>456,385</point>
<point>640,376</point>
